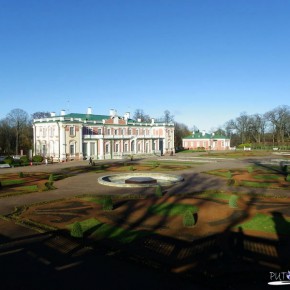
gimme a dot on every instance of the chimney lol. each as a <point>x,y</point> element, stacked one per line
<point>62,112</point>
<point>127,116</point>
<point>52,114</point>
<point>89,111</point>
<point>152,121</point>
<point>113,113</point>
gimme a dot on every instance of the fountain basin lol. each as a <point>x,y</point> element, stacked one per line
<point>140,179</point>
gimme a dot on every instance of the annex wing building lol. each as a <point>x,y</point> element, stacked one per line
<point>77,136</point>
<point>206,141</point>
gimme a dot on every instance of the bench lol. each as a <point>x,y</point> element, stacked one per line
<point>4,165</point>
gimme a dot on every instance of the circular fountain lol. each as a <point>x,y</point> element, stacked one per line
<point>140,179</point>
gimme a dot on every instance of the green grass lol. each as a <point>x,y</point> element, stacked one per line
<point>28,188</point>
<point>12,182</point>
<point>266,223</point>
<point>218,173</point>
<point>169,209</point>
<point>217,195</point>
<point>87,224</point>
<point>106,231</point>
<point>97,200</point>
<point>256,184</point>
<point>117,233</point>
<point>267,176</point>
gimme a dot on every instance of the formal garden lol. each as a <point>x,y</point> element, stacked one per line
<point>187,231</point>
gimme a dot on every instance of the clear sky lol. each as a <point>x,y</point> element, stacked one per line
<point>206,61</point>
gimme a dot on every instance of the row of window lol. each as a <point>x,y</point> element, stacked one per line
<point>111,131</point>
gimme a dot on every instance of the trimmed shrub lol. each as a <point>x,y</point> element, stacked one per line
<point>229,175</point>
<point>288,177</point>
<point>21,174</point>
<point>231,181</point>
<point>49,185</point>
<point>37,158</point>
<point>155,164</point>
<point>24,159</point>
<point>107,203</point>
<point>250,169</point>
<point>158,190</point>
<point>9,160</point>
<point>131,168</point>
<point>285,168</point>
<point>51,178</point>
<point>188,219</point>
<point>233,201</point>
<point>76,230</point>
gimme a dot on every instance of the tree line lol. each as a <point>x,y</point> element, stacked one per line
<point>16,133</point>
<point>258,130</point>
<point>271,129</point>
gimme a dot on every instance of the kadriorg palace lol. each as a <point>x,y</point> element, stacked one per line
<point>77,136</point>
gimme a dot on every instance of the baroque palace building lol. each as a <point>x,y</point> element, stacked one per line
<point>78,136</point>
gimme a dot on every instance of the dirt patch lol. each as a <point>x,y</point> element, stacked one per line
<point>213,216</point>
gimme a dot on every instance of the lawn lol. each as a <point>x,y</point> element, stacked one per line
<point>267,223</point>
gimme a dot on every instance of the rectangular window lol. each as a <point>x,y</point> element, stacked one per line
<point>99,131</point>
<point>92,149</point>
<point>71,131</point>
<point>108,131</point>
<point>116,132</point>
<point>72,149</point>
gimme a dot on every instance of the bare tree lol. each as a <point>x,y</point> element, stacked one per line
<point>40,115</point>
<point>257,127</point>
<point>181,130</point>
<point>139,114</point>
<point>18,120</point>
<point>6,137</point>
<point>279,118</point>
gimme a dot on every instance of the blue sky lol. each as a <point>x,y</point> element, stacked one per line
<point>206,61</point>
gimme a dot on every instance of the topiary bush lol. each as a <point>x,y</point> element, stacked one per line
<point>107,203</point>
<point>76,230</point>
<point>24,160</point>
<point>250,169</point>
<point>158,190</point>
<point>9,160</point>
<point>21,174</point>
<point>233,201</point>
<point>155,164</point>
<point>49,185</point>
<point>288,177</point>
<point>51,178</point>
<point>37,158</point>
<point>229,175</point>
<point>131,168</point>
<point>188,219</point>
<point>231,181</point>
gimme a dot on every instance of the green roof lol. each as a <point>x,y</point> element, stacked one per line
<point>200,135</point>
<point>89,117</point>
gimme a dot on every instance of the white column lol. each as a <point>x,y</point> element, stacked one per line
<point>101,144</point>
